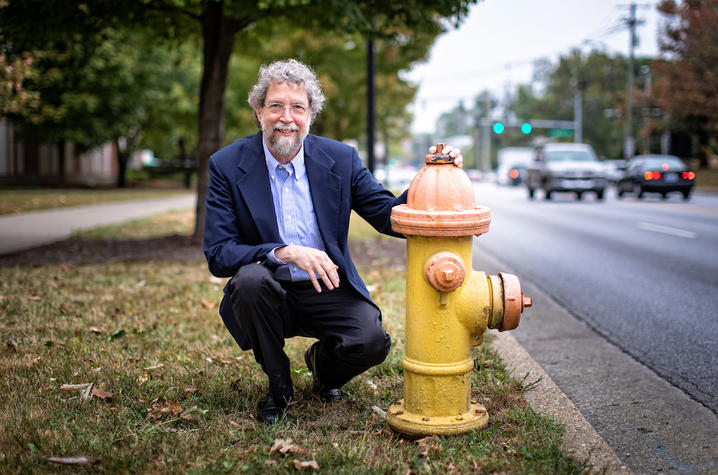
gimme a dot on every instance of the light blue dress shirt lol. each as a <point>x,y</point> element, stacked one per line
<point>293,206</point>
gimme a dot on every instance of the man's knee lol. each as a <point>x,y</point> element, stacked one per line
<point>252,281</point>
<point>378,348</point>
<point>373,346</point>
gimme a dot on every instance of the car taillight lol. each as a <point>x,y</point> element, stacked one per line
<point>514,173</point>
<point>652,175</point>
<point>689,175</point>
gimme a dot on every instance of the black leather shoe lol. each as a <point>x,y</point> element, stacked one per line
<point>272,409</point>
<point>324,392</point>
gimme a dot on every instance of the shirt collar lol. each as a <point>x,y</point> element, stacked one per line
<point>297,163</point>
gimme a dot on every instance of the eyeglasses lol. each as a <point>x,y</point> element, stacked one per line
<point>296,110</point>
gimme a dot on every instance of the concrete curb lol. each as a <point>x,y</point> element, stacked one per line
<point>580,439</point>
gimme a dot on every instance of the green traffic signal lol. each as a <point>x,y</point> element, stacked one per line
<point>526,128</point>
<point>498,128</point>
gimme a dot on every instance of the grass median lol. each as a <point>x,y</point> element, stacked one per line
<point>23,200</point>
<point>126,367</point>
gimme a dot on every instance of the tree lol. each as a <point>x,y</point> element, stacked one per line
<point>114,87</point>
<point>14,97</point>
<point>599,79</point>
<point>218,22</point>
<point>687,77</point>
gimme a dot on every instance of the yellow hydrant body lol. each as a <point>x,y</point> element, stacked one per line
<point>448,305</point>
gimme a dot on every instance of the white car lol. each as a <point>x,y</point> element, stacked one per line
<point>572,167</point>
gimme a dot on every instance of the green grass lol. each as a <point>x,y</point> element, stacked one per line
<point>149,334</point>
<point>22,200</point>
<point>173,222</point>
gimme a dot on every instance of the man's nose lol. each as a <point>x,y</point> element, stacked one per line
<point>286,115</point>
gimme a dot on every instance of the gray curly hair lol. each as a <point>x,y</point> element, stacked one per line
<point>290,71</point>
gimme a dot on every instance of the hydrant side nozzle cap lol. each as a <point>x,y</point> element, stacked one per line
<point>514,301</point>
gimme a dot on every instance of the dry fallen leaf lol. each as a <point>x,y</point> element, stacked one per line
<point>70,460</point>
<point>269,462</point>
<point>157,366</point>
<point>161,408</point>
<point>12,343</point>
<point>96,330</point>
<point>208,304</point>
<point>190,390</point>
<point>429,444</point>
<point>101,393</point>
<point>75,387</point>
<point>284,446</point>
<point>193,412</point>
<point>305,464</point>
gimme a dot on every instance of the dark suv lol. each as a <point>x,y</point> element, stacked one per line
<point>570,167</point>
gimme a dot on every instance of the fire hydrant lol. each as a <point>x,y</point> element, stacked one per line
<point>448,305</point>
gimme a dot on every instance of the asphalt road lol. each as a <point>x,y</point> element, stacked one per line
<point>626,316</point>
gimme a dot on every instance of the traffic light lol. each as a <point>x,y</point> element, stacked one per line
<point>499,128</point>
<point>526,128</point>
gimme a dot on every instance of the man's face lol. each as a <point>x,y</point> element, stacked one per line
<point>285,119</point>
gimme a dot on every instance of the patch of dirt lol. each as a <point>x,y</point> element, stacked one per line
<point>378,252</point>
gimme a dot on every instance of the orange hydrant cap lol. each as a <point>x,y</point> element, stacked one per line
<point>440,202</point>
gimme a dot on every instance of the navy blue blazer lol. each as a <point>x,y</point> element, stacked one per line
<point>241,225</point>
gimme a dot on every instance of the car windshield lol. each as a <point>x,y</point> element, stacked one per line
<point>569,156</point>
<point>663,163</point>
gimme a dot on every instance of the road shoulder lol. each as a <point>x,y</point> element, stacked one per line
<point>580,439</point>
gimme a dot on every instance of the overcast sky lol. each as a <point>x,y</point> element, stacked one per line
<point>495,46</point>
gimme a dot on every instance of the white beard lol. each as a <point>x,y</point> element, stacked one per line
<point>280,145</point>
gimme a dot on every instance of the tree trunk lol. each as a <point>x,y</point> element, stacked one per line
<point>61,162</point>
<point>122,158</point>
<point>703,147</point>
<point>218,36</point>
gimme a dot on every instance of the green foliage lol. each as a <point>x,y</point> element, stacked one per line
<point>14,97</point>
<point>686,87</point>
<point>601,81</point>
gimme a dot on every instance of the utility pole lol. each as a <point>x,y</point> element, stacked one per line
<point>629,143</point>
<point>578,116</point>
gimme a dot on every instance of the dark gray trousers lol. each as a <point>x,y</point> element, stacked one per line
<point>349,330</point>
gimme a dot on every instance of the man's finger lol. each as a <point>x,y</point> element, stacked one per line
<point>327,281</point>
<point>315,282</point>
<point>432,149</point>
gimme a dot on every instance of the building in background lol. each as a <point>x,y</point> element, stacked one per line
<point>34,164</point>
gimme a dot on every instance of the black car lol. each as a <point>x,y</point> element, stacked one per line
<point>656,174</point>
<point>516,175</point>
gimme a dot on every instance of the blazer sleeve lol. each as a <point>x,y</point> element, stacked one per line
<point>228,243</point>
<point>371,200</point>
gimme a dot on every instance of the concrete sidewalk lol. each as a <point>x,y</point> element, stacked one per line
<point>27,230</point>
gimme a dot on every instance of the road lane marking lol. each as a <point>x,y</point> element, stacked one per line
<point>657,228</point>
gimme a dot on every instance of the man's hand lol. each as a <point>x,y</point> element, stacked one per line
<point>313,261</point>
<point>454,153</point>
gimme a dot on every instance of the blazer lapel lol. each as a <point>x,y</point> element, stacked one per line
<point>254,186</point>
<point>325,187</point>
